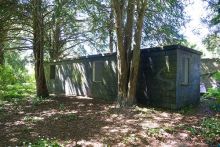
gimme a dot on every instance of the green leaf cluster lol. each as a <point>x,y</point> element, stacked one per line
<point>15,83</point>
<point>43,143</point>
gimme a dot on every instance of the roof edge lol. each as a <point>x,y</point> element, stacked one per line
<point>144,50</point>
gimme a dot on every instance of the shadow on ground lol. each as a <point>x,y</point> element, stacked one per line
<point>90,122</point>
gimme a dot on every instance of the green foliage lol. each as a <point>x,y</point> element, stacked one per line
<point>212,42</point>
<point>61,107</point>
<point>71,117</point>
<point>43,143</point>
<point>216,76</point>
<point>36,101</point>
<point>162,22</point>
<point>214,93</point>
<point>12,86</point>
<point>213,20</point>
<point>208,128</point>
<point>155,132</point>
<point>15,81</point>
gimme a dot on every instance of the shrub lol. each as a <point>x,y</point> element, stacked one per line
<point>12,86</point>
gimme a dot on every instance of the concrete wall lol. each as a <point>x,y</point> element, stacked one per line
<point>188,93</point>
<point>75,77</point>
<point>158,81</point>
<point>157,78</point>
<point>208,67</point>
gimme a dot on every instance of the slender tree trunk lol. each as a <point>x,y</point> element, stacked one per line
<point>121,55</point>
<point>218,7</point>
<point>128,66</point>
<point>128,33</point>
<point>38,45</point>
<point>111,27</point>
<point>1,54</point>
<point>136,53</point>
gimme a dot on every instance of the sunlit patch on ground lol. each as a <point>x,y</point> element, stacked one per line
<point>91,122</point>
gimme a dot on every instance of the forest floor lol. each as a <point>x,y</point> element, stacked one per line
<point>83,121</point>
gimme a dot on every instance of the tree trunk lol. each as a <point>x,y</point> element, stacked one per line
<point>111,27</point>
<point>218,7</point>
<point>128,66</point>
<point>1,55</point>
<point>38,45</point>
<point>122,56</point>
<point>136,53</point>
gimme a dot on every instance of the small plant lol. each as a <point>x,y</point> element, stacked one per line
<point>36,101</point>
<point>154,132</point>
<point>71,117</point>
<point>130,139</point>
<point>215,94</point>
<point>43,143</point>
<point>61,107</point>
<point>193,130</point>
<point>208,128</point>
<point>170,130</point>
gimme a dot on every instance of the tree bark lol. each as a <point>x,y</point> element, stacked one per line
<point>128,66</point>
<point>38,45</point>
<point>111,27</point>
<point>1,54</point>
<point>141,6</point>
<point>121,55</point>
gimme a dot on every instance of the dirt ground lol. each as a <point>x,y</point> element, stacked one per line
<point>90,122</point>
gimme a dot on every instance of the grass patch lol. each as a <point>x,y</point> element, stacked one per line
<point>209,128</point>
<point>67,117</point>
<point>35,101</point>
<point>43,143</point>
<point>62,107</point>
<point>154,132</point>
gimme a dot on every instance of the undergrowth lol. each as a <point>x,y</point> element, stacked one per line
<point>207,128</point>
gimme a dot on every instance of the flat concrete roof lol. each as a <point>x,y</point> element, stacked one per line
<point>144,50</point>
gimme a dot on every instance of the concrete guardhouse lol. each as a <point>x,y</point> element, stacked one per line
<point>169,76</point>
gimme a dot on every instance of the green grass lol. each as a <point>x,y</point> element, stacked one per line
<point>209,128</point>
<point>62,107</point>
<point>42,143</point>
<point>36,101</point>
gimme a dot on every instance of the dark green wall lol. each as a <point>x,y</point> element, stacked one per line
<point>75,77</point>
<point>158,78</point>
<point>158,82</point>
<point>189,93</point>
